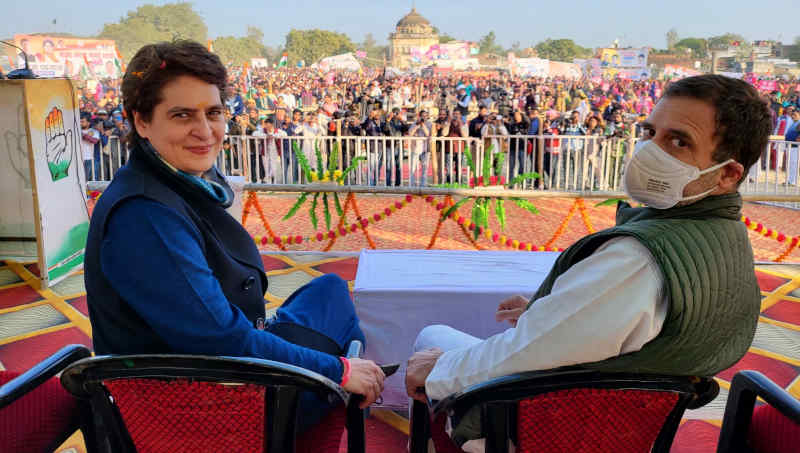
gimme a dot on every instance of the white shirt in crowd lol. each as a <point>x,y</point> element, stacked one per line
<point>270,160</point>
<point>609,304</point>
<point>88,147</point>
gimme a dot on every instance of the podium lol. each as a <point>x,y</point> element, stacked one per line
<point>44,217</point>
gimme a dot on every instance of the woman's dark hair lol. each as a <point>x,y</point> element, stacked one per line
<point>743,119</point>
<point>155,65</point>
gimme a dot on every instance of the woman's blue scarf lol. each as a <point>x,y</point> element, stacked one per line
<point>204,185</point>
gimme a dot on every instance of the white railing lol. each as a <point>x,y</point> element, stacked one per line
<point>564,163</point>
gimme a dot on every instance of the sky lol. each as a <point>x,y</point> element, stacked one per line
<point>592,24</point>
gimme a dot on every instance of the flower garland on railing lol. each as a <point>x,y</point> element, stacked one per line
<point>774,234</point>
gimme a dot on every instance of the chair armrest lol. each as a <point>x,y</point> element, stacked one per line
<point>746,386</point>
<point>354,350</point>
<point>356,436</point>
<point>41,372</point>
<point>524,385</point>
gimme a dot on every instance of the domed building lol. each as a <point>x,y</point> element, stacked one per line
<point>412,31</point>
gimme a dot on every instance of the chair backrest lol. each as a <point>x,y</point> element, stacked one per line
<point>580,411</point>
<point>771,427</point>
<point>591,420</point>
<point>176,403</point>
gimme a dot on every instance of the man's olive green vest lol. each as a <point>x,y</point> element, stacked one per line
<point>707,265</point>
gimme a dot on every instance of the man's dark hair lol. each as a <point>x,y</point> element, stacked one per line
<point>743,120</point>
<point>155,65</point>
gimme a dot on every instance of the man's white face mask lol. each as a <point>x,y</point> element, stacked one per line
<point>657,179</point>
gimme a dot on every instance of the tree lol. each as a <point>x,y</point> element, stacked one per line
<point>794,51</point>
<point>672,38</point>
<point>255,33</point>
<point>726,40</point>
<point>561,50</point>
<point>699,46</point>
<point>445,38</point>
<point>312,45</point>
<point>488,44</point>
<point>375,52</point>
<point>150,24</point>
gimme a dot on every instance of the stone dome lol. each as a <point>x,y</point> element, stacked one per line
<point>411,19</point>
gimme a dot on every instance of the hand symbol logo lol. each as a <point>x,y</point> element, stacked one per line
<point>58,145</point>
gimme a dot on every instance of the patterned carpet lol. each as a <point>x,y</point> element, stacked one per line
<point>35,323</point>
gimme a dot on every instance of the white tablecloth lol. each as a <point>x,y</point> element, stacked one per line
<point>399,292</point>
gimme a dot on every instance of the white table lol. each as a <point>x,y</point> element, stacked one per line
<point>399,292</point>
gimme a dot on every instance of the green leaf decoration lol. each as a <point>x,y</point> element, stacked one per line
<point>500,212</point>
<point>352,166</point>
<point>487,164</point>
<point>485,212</point>
<point>301,159</point>
<point>446,212</point>
<point>296,206</point>
<point>610,202</point>
<point>313,211</point>
<point>326,211</point>
<point>333,159</point>
<point>523,177</point>
<point>476,213</point>
<point>470,162</point>
<point>320,167</point>
<point>498,168</point>
<point>338,205</point>
<point>526,205</point>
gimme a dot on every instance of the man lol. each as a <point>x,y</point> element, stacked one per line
<point>462,102</point>
<point>420,154</point>
<point>670,290</point>
<point>477,123</point>
<point>282,122</point>
<point>396,127</point>
<point>269,147</point>
<point>490,131</point>
<point>374,127</point>
<point>89,138</point>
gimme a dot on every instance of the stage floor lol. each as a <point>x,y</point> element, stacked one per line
<point>36,323</point>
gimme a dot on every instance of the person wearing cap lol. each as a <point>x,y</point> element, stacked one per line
<point>462,102</point>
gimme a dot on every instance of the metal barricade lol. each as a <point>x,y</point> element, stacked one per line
<point>564,163</point>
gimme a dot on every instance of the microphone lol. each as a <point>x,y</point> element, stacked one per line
<point>20,73</point>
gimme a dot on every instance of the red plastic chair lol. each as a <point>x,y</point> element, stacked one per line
<point>36,413</point>
<point>773,427</point>
<point>181,403</point>
<point>575,411</point>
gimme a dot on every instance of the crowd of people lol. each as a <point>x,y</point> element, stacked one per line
<point>274,104</point>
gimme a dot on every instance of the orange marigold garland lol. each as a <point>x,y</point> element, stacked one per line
<point>774,234</point>
<point>252,198</point>
<point>563,226</point>
<point>585,215</point>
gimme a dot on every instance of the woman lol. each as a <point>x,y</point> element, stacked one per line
<point>168,270</point>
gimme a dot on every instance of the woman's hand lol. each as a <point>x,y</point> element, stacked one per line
<point>511,309</point>
<point>366,378</point>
